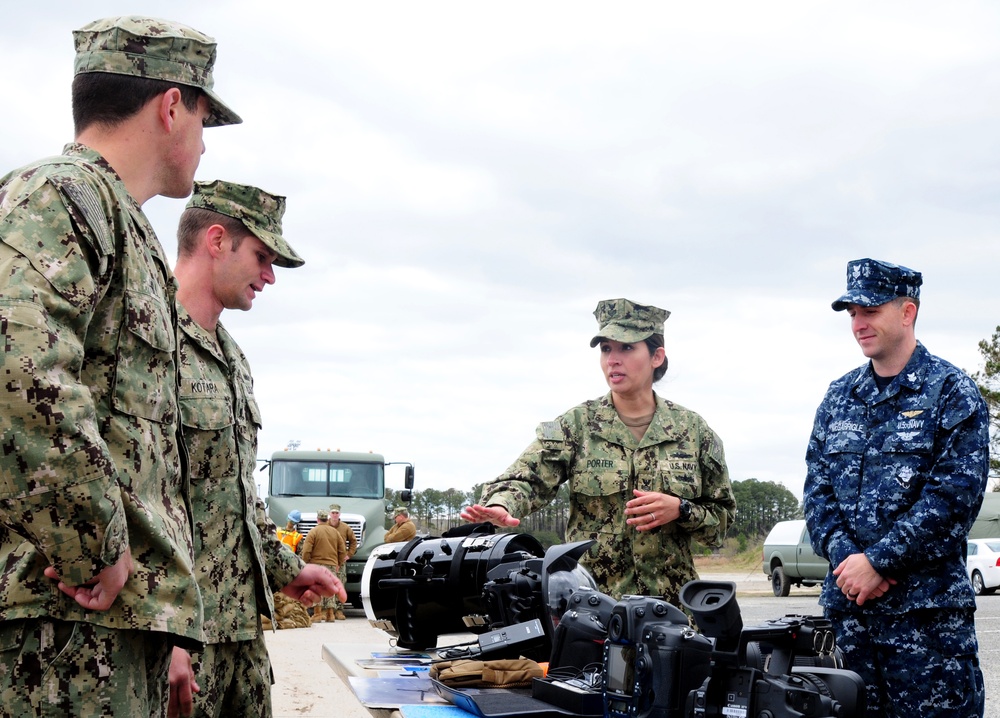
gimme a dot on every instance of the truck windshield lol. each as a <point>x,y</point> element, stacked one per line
<point>326,478</point>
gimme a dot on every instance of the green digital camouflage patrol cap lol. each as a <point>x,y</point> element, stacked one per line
<point>400,511</point>
<point>872,283</point>
<point>259,211</point>
<point>622,320</point>
<point>322,515</point>
<point>157,49</point>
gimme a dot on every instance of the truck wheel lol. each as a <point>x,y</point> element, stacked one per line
<point>780,583</point>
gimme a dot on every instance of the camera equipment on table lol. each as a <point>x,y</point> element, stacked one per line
<point>480,583</point>
<point>634,658</point>
<point>652,659</point>
<point>785,667</point>
<point>578,641</point>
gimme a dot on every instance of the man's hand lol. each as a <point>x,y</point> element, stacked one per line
<point>100,592</point>
<point>182,685</point>
<point>313,583</point>
<point>859,580</point>
<point>496,515</point>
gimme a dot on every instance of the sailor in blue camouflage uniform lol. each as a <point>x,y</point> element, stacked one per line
<point>646,475</point>
<point>96,566</point>
<point>228,239</point>
<point>896,469</point>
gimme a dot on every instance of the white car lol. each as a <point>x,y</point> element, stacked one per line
<point>983,565</point>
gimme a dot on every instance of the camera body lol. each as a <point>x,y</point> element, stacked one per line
<point>652,659</point>
<point>578,640</point>
<point>785,667</point>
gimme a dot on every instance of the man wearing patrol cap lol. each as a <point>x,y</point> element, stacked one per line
<point>897,465</point>
<point>227,241</point>
<point>325,547</point>
<point>646,476</point>
<point>402,528</point>
<point>351,541</point>
<point>91,475</point>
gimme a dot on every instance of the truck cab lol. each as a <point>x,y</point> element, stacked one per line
<point>307,481</point>
<point>789,558</point>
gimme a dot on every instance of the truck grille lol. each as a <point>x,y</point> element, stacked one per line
<point>357,526</point>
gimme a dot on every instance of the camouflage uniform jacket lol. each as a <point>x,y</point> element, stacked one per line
<point>239,559</point>
<point>899,475</point>
<point>88,410</point>
<point>324,545</point>
<point>595,452</point>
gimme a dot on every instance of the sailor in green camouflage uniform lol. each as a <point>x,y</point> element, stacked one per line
<point>646,476</point>
<point>96,579</point>
<point>228,239</point>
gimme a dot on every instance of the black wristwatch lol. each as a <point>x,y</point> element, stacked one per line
<point>685,509</point>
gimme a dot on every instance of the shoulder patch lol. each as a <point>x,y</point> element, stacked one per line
<point>551,430</point>
<point>84,200</point>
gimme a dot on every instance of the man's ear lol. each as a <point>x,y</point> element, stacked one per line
<point>909,314</point>
<point>168,105</point>
<point>216,240</point>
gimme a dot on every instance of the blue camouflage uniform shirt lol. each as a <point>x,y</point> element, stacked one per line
<point>899,475</point>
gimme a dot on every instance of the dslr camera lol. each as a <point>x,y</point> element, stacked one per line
<point>785,667</point>
<point>652,660</point>
<point>578,640</point>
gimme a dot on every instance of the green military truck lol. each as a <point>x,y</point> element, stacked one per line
<point>307,481</point>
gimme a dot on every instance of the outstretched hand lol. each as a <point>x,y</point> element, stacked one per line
<point>100,592</point>
<point>496,515</point>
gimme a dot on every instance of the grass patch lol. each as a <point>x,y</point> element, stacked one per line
<point>735,555</point>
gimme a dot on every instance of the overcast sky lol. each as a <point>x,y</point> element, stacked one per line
<point>467,180</point>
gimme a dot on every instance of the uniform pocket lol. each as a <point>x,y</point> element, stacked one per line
<point>600,496</point>
<point>11,637</point>
<point>906,458</point>
<point>208,434</point>
<point>145,375</point>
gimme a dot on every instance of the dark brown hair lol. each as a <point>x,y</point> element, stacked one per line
<point>108,99</point>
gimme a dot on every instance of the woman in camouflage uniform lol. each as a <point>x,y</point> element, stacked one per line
<point>646,476</point>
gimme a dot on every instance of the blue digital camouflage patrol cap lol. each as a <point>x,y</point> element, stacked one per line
<point>871,283</point>
<point>259,211</point>
<point>622,320</point>
<point>157,49</point>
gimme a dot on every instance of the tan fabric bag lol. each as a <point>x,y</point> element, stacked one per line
<point>466,673</point>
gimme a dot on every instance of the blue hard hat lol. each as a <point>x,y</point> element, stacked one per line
<point>295,516</point>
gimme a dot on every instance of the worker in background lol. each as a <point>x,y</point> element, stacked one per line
<point>325,546</point>
<point>403,530</point>
<point>352,548</point>
<point>290,535</point>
